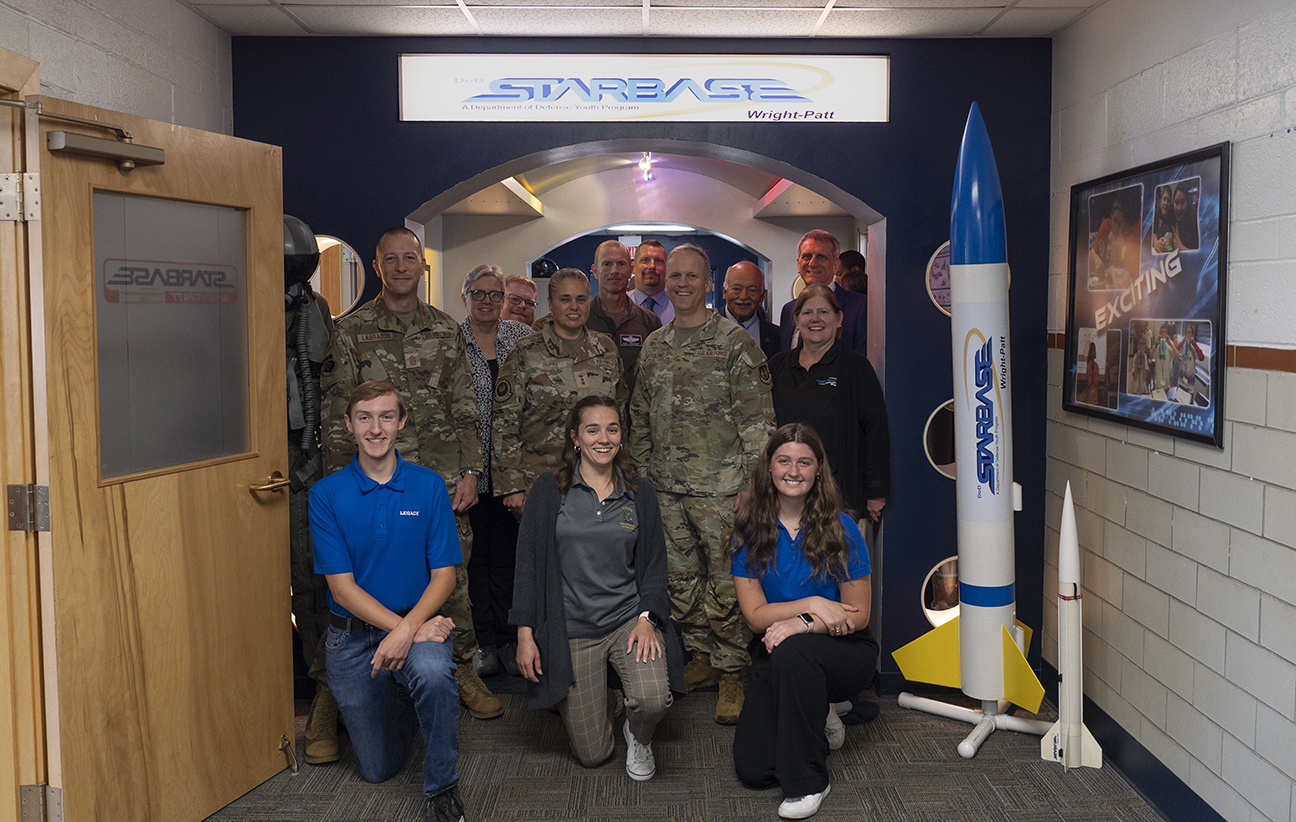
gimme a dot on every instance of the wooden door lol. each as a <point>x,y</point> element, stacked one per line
<point>22,731</point>
<point>170,684</point>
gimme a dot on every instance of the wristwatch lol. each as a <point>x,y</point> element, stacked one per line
<point>648,616</point>
<point>808,619</point>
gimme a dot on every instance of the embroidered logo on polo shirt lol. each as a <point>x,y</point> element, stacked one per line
<point>409,513</point>
<point>627,518</point>
<point>831,382</point>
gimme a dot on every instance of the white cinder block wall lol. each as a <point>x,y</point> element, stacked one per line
<point>1188,552</point>
<point>152,58</point>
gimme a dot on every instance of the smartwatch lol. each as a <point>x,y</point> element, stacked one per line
<point>808,619</point>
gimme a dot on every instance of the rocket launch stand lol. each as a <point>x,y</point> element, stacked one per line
<point>992,716</point>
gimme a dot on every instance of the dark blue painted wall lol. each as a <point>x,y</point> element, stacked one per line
<point>351,168</point>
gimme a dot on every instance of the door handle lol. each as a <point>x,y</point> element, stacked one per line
<point>276,482</point>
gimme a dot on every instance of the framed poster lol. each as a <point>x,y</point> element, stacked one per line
<point>1145,336</point>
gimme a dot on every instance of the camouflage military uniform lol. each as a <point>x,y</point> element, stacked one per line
<point>428,363</point>
<point>537,386</point>
<point>700,414</point>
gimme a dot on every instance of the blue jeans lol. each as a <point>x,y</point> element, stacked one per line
<point>377,713</point>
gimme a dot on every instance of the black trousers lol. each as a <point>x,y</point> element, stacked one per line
<point>490,570</point>
<point>780,735</point>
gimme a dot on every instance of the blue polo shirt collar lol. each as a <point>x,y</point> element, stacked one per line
<point>365,484</point>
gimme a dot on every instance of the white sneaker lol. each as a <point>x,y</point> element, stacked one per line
<point>639,757</point>
<point>803,807</point>
<point>834,730</point>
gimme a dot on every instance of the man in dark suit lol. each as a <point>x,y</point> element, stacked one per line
<point>744,293</point>
<point>817,262</point>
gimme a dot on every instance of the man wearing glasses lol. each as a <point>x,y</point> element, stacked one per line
<point>744,294</point>
<point>519,299</point>
<point>418,348</point>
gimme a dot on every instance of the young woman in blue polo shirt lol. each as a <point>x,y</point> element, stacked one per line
<point>801,571</point>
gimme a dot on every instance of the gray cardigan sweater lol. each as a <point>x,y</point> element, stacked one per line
<point>538,593</point>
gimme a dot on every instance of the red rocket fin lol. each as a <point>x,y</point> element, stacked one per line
<point>1021,686</point>
<point>933,657</point>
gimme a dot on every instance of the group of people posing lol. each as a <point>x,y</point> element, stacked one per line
<point>588,497</point>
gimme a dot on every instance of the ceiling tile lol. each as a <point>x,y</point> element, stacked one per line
<point>555,22</point>
<point>749,4</point>
<point>927,5</point>
<point>1033,22</point>
<point>255,20</point>
<point>636,4</point>
<point>855,22</point>
<point>395,5</point>
<point>373,20</point>
<point>731,22</point>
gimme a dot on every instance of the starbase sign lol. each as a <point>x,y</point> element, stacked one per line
<point>174,283</point>
<point>644,88</point>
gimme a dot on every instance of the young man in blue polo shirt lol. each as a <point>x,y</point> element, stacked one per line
<point>385,540</point>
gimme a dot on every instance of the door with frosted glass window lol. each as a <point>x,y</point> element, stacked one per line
<point>159,338</point>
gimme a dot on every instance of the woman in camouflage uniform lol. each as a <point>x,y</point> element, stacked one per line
<point>544,375</point>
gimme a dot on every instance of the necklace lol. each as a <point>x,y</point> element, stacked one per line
<point>793,529</point>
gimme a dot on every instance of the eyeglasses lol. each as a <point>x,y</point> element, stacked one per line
<point>478,295</point>
<point>516,300</point>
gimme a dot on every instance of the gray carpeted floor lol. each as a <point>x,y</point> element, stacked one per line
<point>902,767</point>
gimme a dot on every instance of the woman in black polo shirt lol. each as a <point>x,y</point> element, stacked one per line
<point>590,590</point>
<point>834,389</point>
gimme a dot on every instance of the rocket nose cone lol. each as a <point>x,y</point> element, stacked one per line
<point>1068,542</point>
<point>977,233</point>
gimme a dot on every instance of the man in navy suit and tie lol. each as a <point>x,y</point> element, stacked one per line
<point>817,262</point>
<point>744,293</point>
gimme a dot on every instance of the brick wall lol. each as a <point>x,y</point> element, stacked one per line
<point>153,58</point>
<point>1188,552</point>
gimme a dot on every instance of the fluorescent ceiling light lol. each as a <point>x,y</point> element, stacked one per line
<point>651,228</point>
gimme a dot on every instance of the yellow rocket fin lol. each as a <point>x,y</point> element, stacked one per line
<point>1021,686</point>
<point>933,657</point>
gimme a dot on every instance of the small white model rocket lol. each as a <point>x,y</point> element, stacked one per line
<point>1069,741</point>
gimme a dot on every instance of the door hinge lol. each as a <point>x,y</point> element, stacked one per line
<point>19,197</point>
<point>29,508</point>
<point>41,803</point>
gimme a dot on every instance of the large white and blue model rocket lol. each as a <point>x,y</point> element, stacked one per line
<point>982,651</point>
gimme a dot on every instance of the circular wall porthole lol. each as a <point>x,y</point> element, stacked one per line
<point>940,593</point>
<point>938,280</point>
<point>938,439</point>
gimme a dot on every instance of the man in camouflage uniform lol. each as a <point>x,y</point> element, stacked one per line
<point>700,414</point>
<point>543,377</point>
<point>401,339</point>
<point>613,312</point>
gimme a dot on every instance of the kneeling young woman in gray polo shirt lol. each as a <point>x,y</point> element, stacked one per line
<point>590,590</point>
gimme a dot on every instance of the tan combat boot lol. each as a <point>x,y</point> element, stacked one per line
<point>474,695</point>
<point>321,728</point>
<point>698,673</point>
<point>729,704</point>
